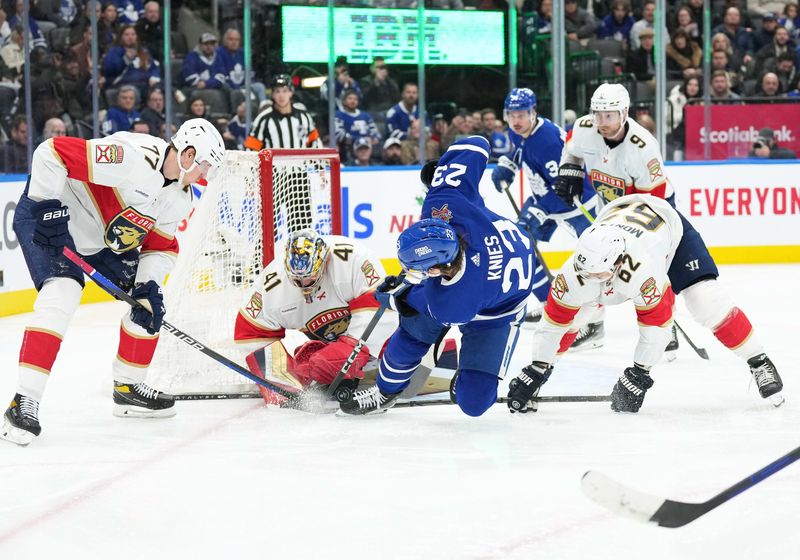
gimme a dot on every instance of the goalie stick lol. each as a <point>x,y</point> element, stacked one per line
<point>118,293</point>
<point>669,513</point>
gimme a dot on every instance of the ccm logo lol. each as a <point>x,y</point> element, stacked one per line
<point>55,214</point>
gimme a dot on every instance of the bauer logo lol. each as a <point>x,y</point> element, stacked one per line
<point>127,230</point>
<point>422,251</point>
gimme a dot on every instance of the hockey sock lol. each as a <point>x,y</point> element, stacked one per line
<point>52,311</point>
<point>135,352</point>
<point>566,341</point>
<point>736,333</point>
<point>476,391</point>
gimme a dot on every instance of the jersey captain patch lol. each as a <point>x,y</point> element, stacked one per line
<point>329,324</point>
<point>127,230</point>
<point>607,186</point>
<point>108,153</point>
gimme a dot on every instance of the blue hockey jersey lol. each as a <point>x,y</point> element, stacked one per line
<point>198,68</point>
<point>232,66</point>
<point>498,269</point>
<point>398,121</point>
<point>352,126</point>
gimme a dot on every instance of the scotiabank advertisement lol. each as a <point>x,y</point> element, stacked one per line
<point>734,128</point>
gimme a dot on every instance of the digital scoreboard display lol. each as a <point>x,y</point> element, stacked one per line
<point>360,34</point>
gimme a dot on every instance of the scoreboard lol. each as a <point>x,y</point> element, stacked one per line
<point>457,37</point>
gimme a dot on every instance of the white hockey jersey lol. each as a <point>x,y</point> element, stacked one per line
<point>633,166</point>
<point>116,195</point>
<point>652,230</point>
<point>342,304</point>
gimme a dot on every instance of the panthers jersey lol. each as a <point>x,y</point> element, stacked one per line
<point>652,230</point>
<point>116,195</point>
<point>345,291</point>
<point>632,166</point>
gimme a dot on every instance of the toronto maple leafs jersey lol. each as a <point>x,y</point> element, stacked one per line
<point>652,230</point>
<point>497,270</point>
<point>539,155</point>
<point>344,302</point>
<point>632,166</point>
<point>116,195</point>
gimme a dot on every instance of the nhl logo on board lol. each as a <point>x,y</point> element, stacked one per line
<point>108,153</point>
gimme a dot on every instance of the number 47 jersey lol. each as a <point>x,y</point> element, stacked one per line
<point>652,230</point>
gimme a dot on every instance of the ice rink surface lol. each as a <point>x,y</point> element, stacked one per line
<point>235,479</point>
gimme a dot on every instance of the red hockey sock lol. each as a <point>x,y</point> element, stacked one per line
<point>39,349</point>
<point>135,350</point>
<point>734,330</point>
<point>566,341</point>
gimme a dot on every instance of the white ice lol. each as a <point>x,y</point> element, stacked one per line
<point>236,479</point>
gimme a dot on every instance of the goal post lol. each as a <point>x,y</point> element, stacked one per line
<point>238,226</point>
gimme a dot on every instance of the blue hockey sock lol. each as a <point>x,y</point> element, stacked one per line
<point>476,391</point>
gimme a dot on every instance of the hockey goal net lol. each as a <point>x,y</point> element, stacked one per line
<point>239,225</point>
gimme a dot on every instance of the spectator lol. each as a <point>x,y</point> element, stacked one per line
<point>231,59</point>
<point>13,53</point>
<point>129,11</point>
<point>283,124</point>
<point>787,73</point>
<point>439,129</point>
<point>647,122</point>
<point>153,113</point>
<point>684,56</point>
<point>499,141</point>
<point>52,128</point>
<point>769,53</point>
<point>488,120</point>
<point>391,152</point>
<point>82,51</point>
<point>791,20</point>
<point>196,108</point>
<point>399,117</point>
<point>150,29</point>
<point>741,39</point>
<point>764,8</point>
<point>579,23</point>
<point>617,25</point>
<point>353,123</point>
<point>696,9</point>
<point>720,61</point>
<point>120,117</point>
<point>47,88</point>
<point>765,146</point>
<point>15,151</point>
<point>140,127</point>
<point>766,34</point>
<point>107,26</point>
<point>721,86</point>
<point>130,63</point>
<point>721,42</point>
<point>236,132</point>
<point>9,84</point>
<point>684,20</point>
<point>545,19</point>
<point>362,151</point>
<point>409,148</point>
<point>380,90</point>
<point>648,16</point>
<point>203,68</point>
<point>769,89</point>
<point>75,87</point>
<point>459,128</point>
<point>343,81</point>
<point>641,61</point>
<point>37,39</point>
<point>679,97</point>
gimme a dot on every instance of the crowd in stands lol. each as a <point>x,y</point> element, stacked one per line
<point>754,46</point>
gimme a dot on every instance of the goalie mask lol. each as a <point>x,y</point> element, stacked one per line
<point>306,256</point>
<point>599,253</point>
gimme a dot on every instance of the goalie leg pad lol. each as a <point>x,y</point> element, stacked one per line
<point>326,362</point>
<point>475,391</point>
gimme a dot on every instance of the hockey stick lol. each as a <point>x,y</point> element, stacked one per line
<point>669,513</point>
<point>700,351</point>
<point>536,252</point>
<point>504,400</point>
<point>115,291</point>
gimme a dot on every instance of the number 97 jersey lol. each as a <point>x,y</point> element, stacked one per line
<point>634,165</point>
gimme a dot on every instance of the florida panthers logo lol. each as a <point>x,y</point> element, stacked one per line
<point>127,230</point>
<point>329,324</point>
<point>609,188</point>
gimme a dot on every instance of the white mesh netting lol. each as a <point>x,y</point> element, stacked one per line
<point>222,254</point>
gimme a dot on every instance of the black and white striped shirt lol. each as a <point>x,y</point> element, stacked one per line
<point>272,129</point>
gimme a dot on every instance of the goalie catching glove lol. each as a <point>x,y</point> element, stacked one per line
<point>569,182</point>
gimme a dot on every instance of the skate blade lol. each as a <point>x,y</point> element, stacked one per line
<point>130,411</point>
<point>16,435</point>
<point>776,400</point>
<point>670,355</point>
<point>587,346</point>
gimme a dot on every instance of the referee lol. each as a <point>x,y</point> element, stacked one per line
<point>285,124</point>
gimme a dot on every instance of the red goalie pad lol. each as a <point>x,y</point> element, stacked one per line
<point>323,363</point>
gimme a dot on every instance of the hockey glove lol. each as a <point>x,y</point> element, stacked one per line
<point>533,220</point>
<point>629,391</point>
<point>149,321</point>
<point>569,182</point>
<point>526,385</point>
<point>504,174</point>
<point>391,293</point>
<point>52,230</point>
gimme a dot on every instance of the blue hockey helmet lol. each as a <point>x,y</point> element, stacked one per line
<point>519,99</point>
<point>427,243</point>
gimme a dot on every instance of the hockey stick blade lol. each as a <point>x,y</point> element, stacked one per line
<point>504,400</point>
<point>700,351</point>
<point>669,513</point>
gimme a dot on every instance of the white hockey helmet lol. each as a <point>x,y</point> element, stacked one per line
<point>598,252</point>
<point>611,97</point>
<point>204,138</point>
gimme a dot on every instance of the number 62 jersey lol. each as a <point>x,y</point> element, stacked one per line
<point>652,230</point>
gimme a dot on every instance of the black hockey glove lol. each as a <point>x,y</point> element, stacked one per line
<point>150,291</point>
<point>52,230</point>
<point>391,293</point>
<point>569,182</point>
<point>526,385</point>
<point>628,393</point>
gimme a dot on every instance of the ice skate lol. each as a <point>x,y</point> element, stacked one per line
<point>141,401</point>
<point>21,420</point>
<point>369,401</point>
<point>590,336</point>
<point>767,378</point>
<point>671,351</point>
